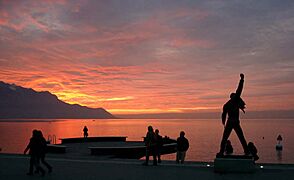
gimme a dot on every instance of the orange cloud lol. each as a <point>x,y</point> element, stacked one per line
<point>163,59</point>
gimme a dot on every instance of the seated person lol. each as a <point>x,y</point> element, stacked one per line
<point>229,148</point>
<point>253,151</point>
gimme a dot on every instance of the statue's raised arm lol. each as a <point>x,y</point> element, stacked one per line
<point>240,86</point>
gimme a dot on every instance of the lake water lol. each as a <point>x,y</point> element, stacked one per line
<point>204,135</point>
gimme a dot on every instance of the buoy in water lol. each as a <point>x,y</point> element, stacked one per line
<point>279,147</point>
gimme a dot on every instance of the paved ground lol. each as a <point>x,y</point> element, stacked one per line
<point>15,167</point>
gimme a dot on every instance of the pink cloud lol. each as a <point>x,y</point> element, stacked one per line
<point>141,61</point>
<point>20,15</point>
<point>178,43</point>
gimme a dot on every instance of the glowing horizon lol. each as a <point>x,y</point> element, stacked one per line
<point>150,56</point>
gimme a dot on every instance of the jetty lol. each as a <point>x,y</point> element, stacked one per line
<point>109,146</point>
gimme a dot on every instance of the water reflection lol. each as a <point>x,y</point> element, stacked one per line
<point>204,135</point>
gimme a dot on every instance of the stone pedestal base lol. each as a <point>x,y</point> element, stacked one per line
<point>234,164</point>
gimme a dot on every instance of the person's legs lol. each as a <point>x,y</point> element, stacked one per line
<point>154,159</point>
<point>32,162</point>
<point>154,154</point>
<point>147,156</point>
<point>46,164</point>
<point>226,134</point>
<point>158,155</point>
<point>178,157</point>
<point>37,165</point>
<point>39,168</point>
<point>241,137</point>
<point>183,155</point>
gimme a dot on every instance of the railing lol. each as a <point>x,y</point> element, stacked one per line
<point>51,139</point>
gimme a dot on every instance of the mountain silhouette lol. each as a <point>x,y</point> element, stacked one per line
<point>19,102</point>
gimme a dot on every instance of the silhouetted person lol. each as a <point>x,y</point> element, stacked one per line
<point>150,143</point>
<point>253,151</point>
<point>34,146</point>
<point>232,109</point>
<point>43,151</point>
<point>85,132</point>
<point>229,148</point>
<point>182,147</point>
<point>279,145</point>
<point>159,144</point>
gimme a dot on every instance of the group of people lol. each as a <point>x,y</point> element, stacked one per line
<point>37,148</point>
<point>154,143</point>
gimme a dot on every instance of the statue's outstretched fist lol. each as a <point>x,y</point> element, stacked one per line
<point>242,76</point>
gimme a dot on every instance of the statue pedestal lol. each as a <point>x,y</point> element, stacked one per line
<point>234,164</point>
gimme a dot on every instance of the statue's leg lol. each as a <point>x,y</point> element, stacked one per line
<point>226,134</point>
<point>241,137</point>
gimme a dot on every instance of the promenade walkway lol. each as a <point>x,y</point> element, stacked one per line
<point>15,167</point>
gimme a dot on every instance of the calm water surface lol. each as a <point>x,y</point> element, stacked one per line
<point>204,135</point>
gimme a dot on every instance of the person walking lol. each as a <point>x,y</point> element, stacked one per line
<point>34,148</point>
<point>182,147</point>
<point>233,122</point>
<point>150,144</point>
<point>43,151</point>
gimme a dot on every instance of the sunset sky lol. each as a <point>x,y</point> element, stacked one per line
<point>151,56</point>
